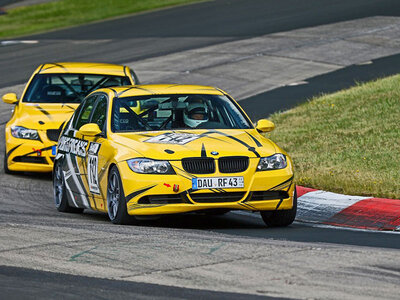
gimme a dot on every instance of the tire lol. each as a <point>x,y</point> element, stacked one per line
<point>280,218</point>
<point>59,192</point>
<point>116,202</point>
<point>6,169</point>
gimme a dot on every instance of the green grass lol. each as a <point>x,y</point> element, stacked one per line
<point>65,13</point>
<point>347,142</point>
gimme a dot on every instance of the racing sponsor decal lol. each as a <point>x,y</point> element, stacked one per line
<point>92,168</point>
<point>72,145</point>
<point>78,195</point>
<point>173,138</point>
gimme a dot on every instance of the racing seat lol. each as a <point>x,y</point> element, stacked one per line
<point>52,93</point>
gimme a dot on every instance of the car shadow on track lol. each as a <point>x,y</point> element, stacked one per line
<point>192,221</point>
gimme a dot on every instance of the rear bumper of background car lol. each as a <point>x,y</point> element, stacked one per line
<point>30,155</point>
<point>148,194</point>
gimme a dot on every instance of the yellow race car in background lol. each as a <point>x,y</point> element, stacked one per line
<point>148,150</point>
<point>52,94</point>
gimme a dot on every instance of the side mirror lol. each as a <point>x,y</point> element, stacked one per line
<point>10,98</point>
<point>91,129</point>
<point>265,125</point>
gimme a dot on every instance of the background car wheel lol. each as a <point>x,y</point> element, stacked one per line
<point>6,169</point>
<point>280,218</point>
<point>59,190</point>
<point>116,203</point>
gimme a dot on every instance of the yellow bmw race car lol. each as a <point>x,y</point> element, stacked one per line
<point>52,94</point>
<point>148,150</point>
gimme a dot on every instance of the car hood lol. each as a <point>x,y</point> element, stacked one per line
<point>42,116</point>
<point>178,144</point>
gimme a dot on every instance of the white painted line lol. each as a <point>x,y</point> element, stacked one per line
<point>15,42</point>
<point>297,83</point>
<point>365,63</point>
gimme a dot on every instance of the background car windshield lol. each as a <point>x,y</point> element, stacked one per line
<point>68,88</point>
<point>166,112</point>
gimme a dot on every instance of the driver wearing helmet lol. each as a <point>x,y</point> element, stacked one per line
<point>195,113</point>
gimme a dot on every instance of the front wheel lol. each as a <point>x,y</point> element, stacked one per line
<point>59,190</point>
<point>116,202</point>
<point>280,218</point>
<point>6,169</point>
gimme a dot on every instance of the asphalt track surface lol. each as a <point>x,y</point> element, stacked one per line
<point>160,33</point>
<point>93,288</point>
<point>5,2</point>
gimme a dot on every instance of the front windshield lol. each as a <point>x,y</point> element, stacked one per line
<point>68,88</point>
<point>166,112</point>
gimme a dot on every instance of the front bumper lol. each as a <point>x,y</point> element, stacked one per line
<point>30,155</point>
<point>148,194</point>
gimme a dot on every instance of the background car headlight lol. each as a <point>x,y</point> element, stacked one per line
<point>149,166</point>
<point>273,162</point>
<point>20,132</point>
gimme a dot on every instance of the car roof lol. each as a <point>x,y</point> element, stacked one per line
<point>82,67</point>
<point>162,89</point>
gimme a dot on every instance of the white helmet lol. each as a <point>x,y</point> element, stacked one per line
<point>195,113</point>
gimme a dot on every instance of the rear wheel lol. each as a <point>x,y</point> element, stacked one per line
<point>116,202</point>
<point>59,190</point>
<point>280,218</point>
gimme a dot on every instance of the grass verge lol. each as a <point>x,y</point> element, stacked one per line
<point>347,142</point>
<point>65,13</point>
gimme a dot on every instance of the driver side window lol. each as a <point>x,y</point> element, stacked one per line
<point>84,112</point>
<point>100,112</point>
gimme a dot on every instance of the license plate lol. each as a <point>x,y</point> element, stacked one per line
<point>54,150</point>
<point>217,183</point>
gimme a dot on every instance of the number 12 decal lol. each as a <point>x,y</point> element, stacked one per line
<point>93,163</point>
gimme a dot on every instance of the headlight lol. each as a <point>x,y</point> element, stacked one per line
<point>273,162</point>
<point>149,166</point>
<point>24,133</point>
